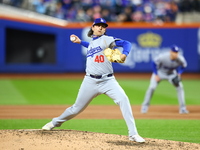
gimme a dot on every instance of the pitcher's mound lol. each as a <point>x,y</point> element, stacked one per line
<point>35,139</point>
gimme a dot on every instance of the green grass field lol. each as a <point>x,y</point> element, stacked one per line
<point>58,92</point>
<point>42,92</point>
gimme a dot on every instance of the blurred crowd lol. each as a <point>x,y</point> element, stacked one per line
<point>111,10</point>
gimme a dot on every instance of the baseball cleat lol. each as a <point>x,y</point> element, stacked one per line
<point>183,111</point>
<point>49,126</point>
<point>137,138</point>
<point>144,109</point>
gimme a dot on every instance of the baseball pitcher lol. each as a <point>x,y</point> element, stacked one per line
<point>99,78</point>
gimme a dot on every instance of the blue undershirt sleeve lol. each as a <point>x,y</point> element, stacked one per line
<point>154,66</point>
<point>85,44</point>
<point>125,44</point>
<point>180,70</point>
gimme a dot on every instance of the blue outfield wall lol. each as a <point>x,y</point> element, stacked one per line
<point>70,57</point>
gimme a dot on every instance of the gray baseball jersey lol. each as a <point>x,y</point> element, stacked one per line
<point>95,54</point>
<point>166,65</point>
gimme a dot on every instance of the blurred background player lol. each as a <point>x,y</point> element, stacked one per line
<point>167,66</point>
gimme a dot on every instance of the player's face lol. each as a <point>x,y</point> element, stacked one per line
<point>99,29</point>
<point>173,55</point>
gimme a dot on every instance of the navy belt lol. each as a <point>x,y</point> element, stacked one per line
<point>100,76</point>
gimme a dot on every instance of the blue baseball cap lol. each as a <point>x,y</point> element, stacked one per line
<point>174,48</point>
<point>100,20</point>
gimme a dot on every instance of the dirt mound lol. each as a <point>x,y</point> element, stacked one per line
<point>35,139</point>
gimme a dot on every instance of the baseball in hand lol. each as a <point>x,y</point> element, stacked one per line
<point>72,38</point>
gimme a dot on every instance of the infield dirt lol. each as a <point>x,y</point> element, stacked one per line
<point>81,140</point>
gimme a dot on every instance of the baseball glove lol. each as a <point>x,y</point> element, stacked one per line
<point>176,80</point>
<point>113,55</point>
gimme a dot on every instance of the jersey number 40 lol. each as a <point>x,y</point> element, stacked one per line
<point>99,59</point>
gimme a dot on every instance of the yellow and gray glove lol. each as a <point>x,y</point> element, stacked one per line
<point>113,55</point>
